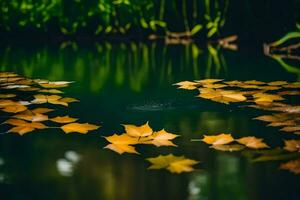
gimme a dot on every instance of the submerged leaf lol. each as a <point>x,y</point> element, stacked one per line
<point>175,164</point>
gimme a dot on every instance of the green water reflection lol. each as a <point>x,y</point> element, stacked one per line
<point>132,83</point>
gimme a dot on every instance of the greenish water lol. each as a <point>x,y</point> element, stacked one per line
<point>131,83</point>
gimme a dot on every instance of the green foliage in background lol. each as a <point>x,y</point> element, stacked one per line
<point>96,17</point>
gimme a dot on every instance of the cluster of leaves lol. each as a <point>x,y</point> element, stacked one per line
<point>139,135</point>
<point>144,134</point>
<point>21,97</point>
<point>267,96</point>
<point>226,142</point>
<point>262,95</point>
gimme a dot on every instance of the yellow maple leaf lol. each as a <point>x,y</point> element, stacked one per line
<point>160,138</point>
<point>138,131</point>
<point>292,145</point>
<point>79,128</point>
<point>64,119</point>
<point>122,143</point>
<point>23,127</point>
<point>218,139</point>
<point>252,142</point>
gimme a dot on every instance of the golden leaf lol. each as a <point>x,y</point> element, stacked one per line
<point>222,96</point>
<point>218,139</point>
<point>52,91</point>
<point>6,96</point>
<point>292,166</point>
<point>23,127</point>
<point>31,116</point>
<point>122,143</point>
<point>64,119</point>
<point>254,82</point>
<point>15,108</point>
<point>208,81</point>
<point>277,83</point>
<point>252,142</point>
<point>41,110</point>
<point>79,128</point>
<point>121,148</point>
<point>175,164</point>
<point>264,97</point>
<point>292,145</point>
<point>53,99</point>
<point>161,138</point>
<point>188,85</point>
<point>138,131</point>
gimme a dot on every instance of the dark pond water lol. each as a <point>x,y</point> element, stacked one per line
<point>131,84</point>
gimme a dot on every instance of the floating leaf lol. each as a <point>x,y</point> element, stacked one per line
<point>31,116</point>
<point>187,85</point>
<point>292,145</point>
<point>175,164</point>
<point>53,99</point>
<point>222,96</point>
<point>218,139</point>
<point>122,143</point>
<point>161,138</point>
<point>23,127</point>
<point>252,142</point>
<point>64,119</point>
<point>292,166</point>
<point>79,128</point>
<point>138,131</point>
<point>264,97</point>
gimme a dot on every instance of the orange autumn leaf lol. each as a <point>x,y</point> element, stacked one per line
<point>79,128</point>
<point>252,142</point>
<point>218,139</point>
<point>138,131</point>
<point>64,119</point>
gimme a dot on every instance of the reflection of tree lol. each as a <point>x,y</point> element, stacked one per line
<point>131,65</point>
<point>285,49</point>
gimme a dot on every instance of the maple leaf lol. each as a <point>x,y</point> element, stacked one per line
<point>187,85</point>
<point>138,131</point>
<point>252,142</point>
<point>292,145</point>
<point>222,96</point>
<point>175,164</point>
<point>218,139</point>
<point>31,116</point>
<point>264,97</point>
<point>23,127</point>
<point>122,143</point>
<point>64,119</point>
<point>292,166</point>
<point>161,138</point>
<point>53,99</point>
<point>79,128</point>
